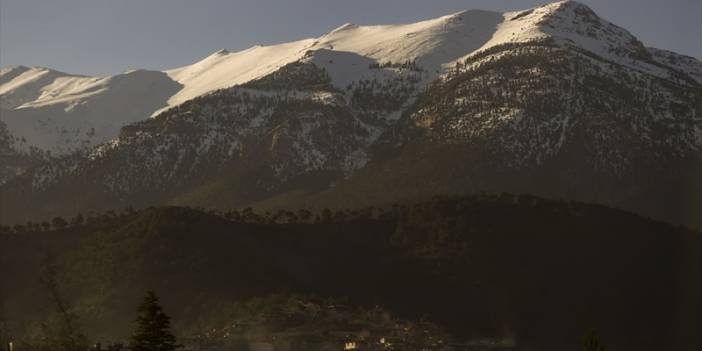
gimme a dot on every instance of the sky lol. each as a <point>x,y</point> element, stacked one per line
<point>104,37</point>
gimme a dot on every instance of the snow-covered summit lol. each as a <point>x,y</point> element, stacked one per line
<point>430,43</point>
<point>34,98</point>
<point>20,84</point>
<point>573,24</point>
<point>63,113</point>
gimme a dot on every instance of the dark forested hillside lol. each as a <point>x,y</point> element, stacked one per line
<point>547,120</point>
<point>540,272</point>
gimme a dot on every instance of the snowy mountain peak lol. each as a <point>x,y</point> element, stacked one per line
<point>20,84</point>
<point>575,25</point>
<point>63,113</point>
<point>483,94</point>
<point>348,53</point>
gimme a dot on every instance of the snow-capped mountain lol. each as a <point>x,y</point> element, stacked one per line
<point>58,112</point>
<point>553,100</point>
<point>49,111</point>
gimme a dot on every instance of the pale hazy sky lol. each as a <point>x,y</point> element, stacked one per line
<point>111,36</point>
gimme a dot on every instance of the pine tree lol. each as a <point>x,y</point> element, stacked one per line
<point>592,342</point>
<point>59,223</point>
<point>153,327</point>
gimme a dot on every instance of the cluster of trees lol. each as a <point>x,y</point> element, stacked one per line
<point>249,215</point>
<point>406,65</point>
<point>59,223</point>
<point>62,331</point>
<point>246,215</point>
<point>387,95</point>
<point>294,76</point>
<point>16,156</point>
<point>301,216</point>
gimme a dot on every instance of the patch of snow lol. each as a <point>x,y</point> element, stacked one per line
<point>70,113</point>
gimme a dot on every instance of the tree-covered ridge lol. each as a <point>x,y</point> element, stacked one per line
<point>530,102</point>
<point>539,271</point>
<point>545,119</point>
<point>294,76</point>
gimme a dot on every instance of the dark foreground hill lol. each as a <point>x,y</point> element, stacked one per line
<point>543,272</point>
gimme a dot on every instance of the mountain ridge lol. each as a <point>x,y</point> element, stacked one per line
<point>435,44</point>
<point>317,122</point>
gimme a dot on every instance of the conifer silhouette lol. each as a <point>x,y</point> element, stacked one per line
<point>153,327</point>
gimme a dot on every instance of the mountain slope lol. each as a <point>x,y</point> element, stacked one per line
<point>256,137</point>
<point>61,114</point>
<point>500,127</point>
<point>26,93</point>
<point>432,44</point>
<point>553,101</point>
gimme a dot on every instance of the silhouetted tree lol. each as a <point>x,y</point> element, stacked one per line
<point>77,220</point>
<point>248,215</point>
<point>290,217</point>
<point>153,327</point>
<point>304,215</point>
<point>592,342</point>
<point>233,216</point>
<point>59,223</point>
<point>327,215</point>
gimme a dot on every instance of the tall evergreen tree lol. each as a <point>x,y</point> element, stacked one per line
<point>592,342</point>
<point>153,327</point>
